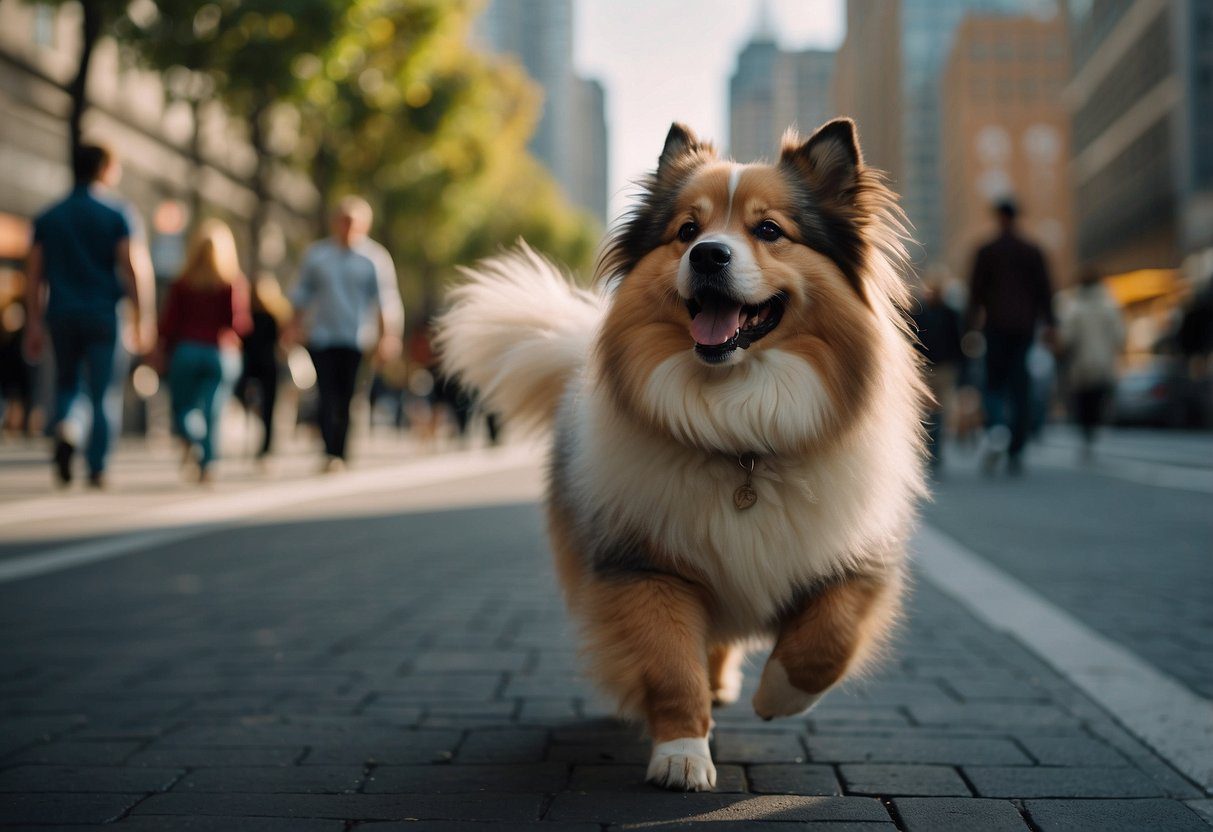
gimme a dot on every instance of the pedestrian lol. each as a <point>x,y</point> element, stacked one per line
<point>87,255</point>
<point>200,329</point>
<point>1092,335</point>
<point>939,334</point>
<point>271,314</point>
<point>348,300</point>
<point>1009,296</point>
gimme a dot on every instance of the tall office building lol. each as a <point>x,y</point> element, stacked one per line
<point>1005,133</point>
<point>867,81</point>
<point>925,29</point>
<point>540,34</point>
<point>772,90</point>
<point>1141,96</point>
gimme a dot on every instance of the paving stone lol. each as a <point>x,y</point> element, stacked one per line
<point>165,823</point>
<point>761,826</point>
<point>478,806</point>
<point>793,779</point>
<point>1044,781</point>
<point>64,808</point>
<point>942,814</point>
<point>668,806</point>
<point>600,753</point>
<point>420,746</point>
<point>190,757</point>
<point>757,747</point>
<point>97,779</point>
<point>77,753</point>
<point>1113,816</point>
<point>991,714</point>
<point>631,778</point>
<point>533,778</point>
<point>547,711</point>
<point>468,826</point>
<point>1068,751</point>
<point>273,780</point>
<point>1006,689</point>
<point>890,780</point>
<point>469,660</point>
<point>509,745</point>
<point>901,748</point>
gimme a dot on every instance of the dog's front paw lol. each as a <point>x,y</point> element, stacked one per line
<point>728,690</point>
<point>682,765</point>
<point>777,696</point>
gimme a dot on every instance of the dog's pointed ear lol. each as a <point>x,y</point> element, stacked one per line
<point>680,143</point>
<point>830,159</point>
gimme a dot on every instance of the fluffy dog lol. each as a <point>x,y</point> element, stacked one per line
<point>737,449</point>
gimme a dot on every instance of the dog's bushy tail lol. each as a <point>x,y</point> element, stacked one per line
<point>516,332</point>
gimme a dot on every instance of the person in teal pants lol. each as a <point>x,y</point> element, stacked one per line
<point>206,314</point>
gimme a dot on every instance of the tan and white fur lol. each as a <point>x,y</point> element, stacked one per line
<point>659,411</point>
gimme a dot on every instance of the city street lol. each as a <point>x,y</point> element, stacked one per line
<point>385,649</point>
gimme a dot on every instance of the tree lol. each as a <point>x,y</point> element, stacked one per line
<point>247,50</point>
<point>96,16</point>
<point>401,109</point>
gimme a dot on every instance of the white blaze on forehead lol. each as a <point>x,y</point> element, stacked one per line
<point>734,178</point>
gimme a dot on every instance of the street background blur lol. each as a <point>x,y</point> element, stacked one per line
<point>290,651</point>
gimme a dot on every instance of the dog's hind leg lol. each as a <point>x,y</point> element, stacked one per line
<point>648,641</point>
<point>830,633</point>
<point>724,673</point>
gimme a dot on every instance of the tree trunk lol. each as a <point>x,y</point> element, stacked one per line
<point>257,138</point>
<point>196,162</point>
<point>91,25</point>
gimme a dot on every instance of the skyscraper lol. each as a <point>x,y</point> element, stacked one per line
<point>1005,133</point>
<point>867,81</point>
<point>571,137</point>
<point>1141,95</point>
<point>772,90</point>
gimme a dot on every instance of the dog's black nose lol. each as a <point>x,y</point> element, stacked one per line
<point>710,258</point>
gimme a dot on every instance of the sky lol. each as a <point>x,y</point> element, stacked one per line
<point>670,60</point>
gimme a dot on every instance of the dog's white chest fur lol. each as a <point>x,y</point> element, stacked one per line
<point>812,520</point>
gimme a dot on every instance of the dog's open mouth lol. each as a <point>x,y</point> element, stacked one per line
<point>721,324</point>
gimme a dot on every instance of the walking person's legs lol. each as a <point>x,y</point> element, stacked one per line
<point>1019,386</point>
<point>69,355</point>
<point>218,372</point>
<point>267,383</point>
<point>347,362</point>
<point>994,400</point>
<point>103,362</point>
<point>326,390</point>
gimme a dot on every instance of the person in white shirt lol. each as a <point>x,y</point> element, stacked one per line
<point>349,302</point>
<point>1092,337</point>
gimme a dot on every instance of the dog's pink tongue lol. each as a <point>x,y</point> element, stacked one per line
<point>716,323</point>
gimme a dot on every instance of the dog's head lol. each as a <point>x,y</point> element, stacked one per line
<point>753,301</point>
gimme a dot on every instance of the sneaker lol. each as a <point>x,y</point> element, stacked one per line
<point>64,451</point>
<point>333,465</point>
<point>96,480</point>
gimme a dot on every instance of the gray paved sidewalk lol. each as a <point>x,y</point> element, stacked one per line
<point>415,671</point>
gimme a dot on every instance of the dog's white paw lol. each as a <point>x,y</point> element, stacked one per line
<point>777,696</point>
<point>682,765</point>
<point>729,690</point>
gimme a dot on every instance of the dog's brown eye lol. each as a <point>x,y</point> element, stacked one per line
<point>688,232</point>
<point>768,231</point>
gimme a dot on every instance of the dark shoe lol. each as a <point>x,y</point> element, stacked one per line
<point>64,451</point>
<point>1014,466</point>
<point>96,480</point>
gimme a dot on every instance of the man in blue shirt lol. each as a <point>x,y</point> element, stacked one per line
<point>348,294</point>
<point>85,258</point>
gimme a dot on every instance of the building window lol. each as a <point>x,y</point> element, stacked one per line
<point>44,25</point>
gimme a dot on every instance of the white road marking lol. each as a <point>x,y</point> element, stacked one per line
<point>179,521</point>
<point>1163,713</point>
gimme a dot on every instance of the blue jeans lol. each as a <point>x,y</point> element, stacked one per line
<point>1009,386</point>
<point>200,380</point>
<point>90,345</point>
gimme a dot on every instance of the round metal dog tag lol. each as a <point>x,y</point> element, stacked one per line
<point>744,497</point>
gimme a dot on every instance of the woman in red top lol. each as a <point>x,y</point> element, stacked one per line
<point>206,313</point>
